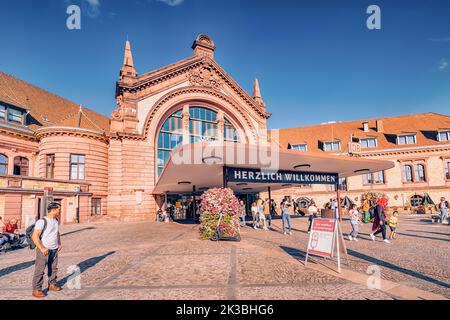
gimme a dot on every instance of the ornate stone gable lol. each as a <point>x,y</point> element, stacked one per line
<point>205,77</point>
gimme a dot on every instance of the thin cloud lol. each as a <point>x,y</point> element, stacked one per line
<point>92,8</point>
<point>443,65</point>
<point>447,39</point>
<point>172,3</point>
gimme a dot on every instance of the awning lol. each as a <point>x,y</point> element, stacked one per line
<point>201,165</point>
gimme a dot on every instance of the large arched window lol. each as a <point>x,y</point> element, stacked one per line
<point>3,164</point>
<point>170,136</point>
<point>203,126</point>
<point>21,166</point>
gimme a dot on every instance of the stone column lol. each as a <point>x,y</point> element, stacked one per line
<point>185,124</point>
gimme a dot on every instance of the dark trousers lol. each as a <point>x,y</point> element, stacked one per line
<point>381,230</point>
<point>310,220</point>
<point>51,262</point>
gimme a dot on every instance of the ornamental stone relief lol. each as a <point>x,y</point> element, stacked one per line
<point>204,77</point>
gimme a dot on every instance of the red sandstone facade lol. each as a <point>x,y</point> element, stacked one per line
<point>106,168</point>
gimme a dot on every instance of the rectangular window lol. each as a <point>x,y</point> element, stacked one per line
<point>15,115</point>
<point>374,178</point>
<point>50,166</point>
<point>444,136</point>
<point>300,147</point>
<point>406,139</point>
<point>368,142</point>
<point>2,112</point>
<point>447,170</point>
<point>332,146</point>
<point>77,165</point>
<point>96,206</point>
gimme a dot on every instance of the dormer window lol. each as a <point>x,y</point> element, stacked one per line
<point>444,135</point>
<point>11,114</point>
<point>15,115</point>
<point>368,142</point>
<point>2,112</point>
<point>406,139</point>
<point>332,146</point>
<point>300,147</point>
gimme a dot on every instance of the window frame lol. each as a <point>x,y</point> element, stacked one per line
<point>79,165</point>
<point>447,170</point>
<point>96,206</point>
<point>21,166</point>
<point>446,132</point>
<point>4,164</point>
<point>373,180</point>
<point>338,142</point>
<point>368,139</point>
<point>305,145</point>
<point>406,139</point>
<point>50,165</point>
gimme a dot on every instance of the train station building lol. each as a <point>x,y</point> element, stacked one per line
<point>125,167</point>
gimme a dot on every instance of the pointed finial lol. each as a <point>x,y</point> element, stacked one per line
<point>257,93</point>
<point>128,63</point>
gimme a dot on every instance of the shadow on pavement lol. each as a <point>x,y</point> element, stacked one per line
<point>396,268</point>
<point>79,230</point>
<point>85,265</point>
<point>423,237</point>
<point>438,233</point>
<point>15,268</point>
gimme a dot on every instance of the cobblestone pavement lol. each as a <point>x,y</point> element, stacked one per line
<point>150,260</point>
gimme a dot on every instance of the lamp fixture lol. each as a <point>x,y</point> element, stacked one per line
<point>184,182</point>
<point>302,166</point>
<point>246,189</point>
<point>241,184</point>
<point>286,185</point>
<point>361,170</point>
<point>212,160</point>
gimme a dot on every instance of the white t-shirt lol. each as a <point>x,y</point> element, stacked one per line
<point>313,210</point>
<point>50,236</point>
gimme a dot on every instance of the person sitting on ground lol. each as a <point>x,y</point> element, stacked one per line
<point>12,230</point>
<point>3,238</point>
<point>313,211</point>
<point>392,223</point>
<point>354,221</point>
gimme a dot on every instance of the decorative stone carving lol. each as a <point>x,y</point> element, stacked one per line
<point>205,77</point>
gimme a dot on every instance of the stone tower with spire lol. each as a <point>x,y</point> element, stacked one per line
<point>257,94</point>
<point>124,117</point>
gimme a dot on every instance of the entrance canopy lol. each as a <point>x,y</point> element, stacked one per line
<point>253,168</point>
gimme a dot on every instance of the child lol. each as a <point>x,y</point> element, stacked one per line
<point>354,220</point>
<point>392,222</point>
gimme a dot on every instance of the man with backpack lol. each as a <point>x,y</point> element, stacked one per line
<point>47,241</point>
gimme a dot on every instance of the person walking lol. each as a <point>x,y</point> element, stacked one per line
<point>47,239</point>
<point>334,207</point>
<point>379,223</point>
<point>366,209</point>
<point>261,214</point>
<point>393,222</point>
<point>243,213</point>
<point>354,221</point>
<point>313,211</point>
<point>443,207</point>
<point>267,213</point>
<point>255,215</point>
<point>286,206</point>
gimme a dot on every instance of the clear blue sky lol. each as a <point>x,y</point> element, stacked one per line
<point>315,59</point>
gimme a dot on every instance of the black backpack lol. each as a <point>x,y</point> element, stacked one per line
<point>29,234</point>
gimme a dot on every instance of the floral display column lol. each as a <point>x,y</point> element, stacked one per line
<point>220,203</point>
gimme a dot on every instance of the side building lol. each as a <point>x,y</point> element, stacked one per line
<point>47,142</point>
<point>418,144</point>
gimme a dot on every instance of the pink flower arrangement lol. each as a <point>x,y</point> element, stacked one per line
<point>214,202</point>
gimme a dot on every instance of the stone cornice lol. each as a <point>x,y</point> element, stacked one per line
<point>18,134</point>
<point>407,151</point>
<point>70,131</point>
